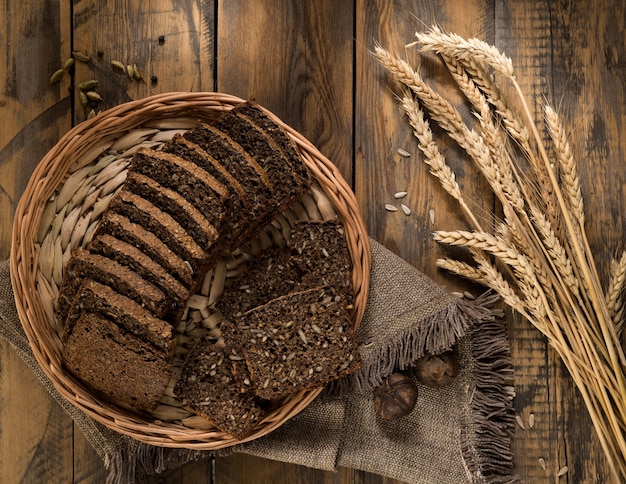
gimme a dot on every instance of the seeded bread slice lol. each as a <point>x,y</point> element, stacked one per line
<point>319,250</point>
<point>242,166</point>
<point>116,363</point>
<point>254,112</point>
<point>271,275</point>
<point>132,257</point>
<point>93,297</point>
<point>239,216</point>
<point>152,246</point>
<point>197,185</point>
<point>299,341</point>
<point>287,185</point>
<point>193,220</point>
<point>126,281</point>
<point>142,212</point>
<point>214,383</point>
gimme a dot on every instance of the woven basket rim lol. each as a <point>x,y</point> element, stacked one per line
<point>84,140</point>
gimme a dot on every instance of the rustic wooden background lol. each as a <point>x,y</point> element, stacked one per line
<point>310,63</point>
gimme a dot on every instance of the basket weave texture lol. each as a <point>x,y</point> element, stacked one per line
<point>32,282</point>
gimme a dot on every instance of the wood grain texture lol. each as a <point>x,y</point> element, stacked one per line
<point>310,63</point>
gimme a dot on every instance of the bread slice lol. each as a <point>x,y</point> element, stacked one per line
<point>287,185</point>
<point>319,250</point>
<point>255,113</point>
<point>93,297</point>
<point>126,281</point>
<point>243,167</point>
<point>299,341</point>
<point>194,221</point>
<point>116,363</point>
<point>195,184</point>
<point>271,275</point>
<point>214,383</point>
<point>144,213</point>
<point>239,216</point>
<point>130,256</point>
<point>123,229</point>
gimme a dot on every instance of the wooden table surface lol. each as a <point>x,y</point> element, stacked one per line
<point>310,63</point>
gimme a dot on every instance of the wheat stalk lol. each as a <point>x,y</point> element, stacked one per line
<point>544,268</point>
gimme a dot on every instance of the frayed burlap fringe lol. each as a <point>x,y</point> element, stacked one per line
<point>488,425</point>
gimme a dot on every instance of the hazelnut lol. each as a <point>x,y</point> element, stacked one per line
<point>437,371</point>
<point>395,397</point>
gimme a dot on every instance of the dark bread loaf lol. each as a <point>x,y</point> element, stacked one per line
<point>121,228</point>
<point>254,112</point>
<point>299,341</point>
<point>99,299</point>
<point>195,222</point>
<point>320,252</point>
<point>116,363</point>
<point>271,275</point>
<point>214,383</point>
<point>132,257</point>
<point>142,212</point>
<point>104,270</point>
<point>198,186</point>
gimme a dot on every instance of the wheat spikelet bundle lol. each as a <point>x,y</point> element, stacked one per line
<point>537,258</point>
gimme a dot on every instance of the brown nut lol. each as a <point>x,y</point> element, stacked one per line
<point>395,397</point>
<point>437,371</point>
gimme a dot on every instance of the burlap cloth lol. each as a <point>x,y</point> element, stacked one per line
<point>460,433</point>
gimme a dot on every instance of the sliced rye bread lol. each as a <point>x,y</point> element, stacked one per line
<point>130,256</point>
<point>271,275</point>
<point>93,297</point>
<point>142,212</point>
<point>104,270</point>
<point>254,112</point>
<point>319,249</point>
<point>241,165</point>
<point>214,383</point>
<point>116,363</point>
<point>123,229</point>
<point>299,341</point>
<point>287,185</point>
<point>199,187</point>
<point>239,217</point>
<point>173,203</point>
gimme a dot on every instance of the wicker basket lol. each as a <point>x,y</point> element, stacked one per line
<point>86,149</point>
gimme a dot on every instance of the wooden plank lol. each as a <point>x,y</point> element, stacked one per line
<point>568,58</point>
<point>295,58</point>
<point>381,129</point>
<point>36,436</point>
<point>170,40</point>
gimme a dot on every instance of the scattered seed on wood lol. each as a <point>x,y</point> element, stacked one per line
<point>431,214</point>
<point>80,56</point>
<point>468,295</point>
<point>130,71</point>
<point>57,76</point>
<point>137,73</point>
<point>562,472</point>
<point>391,208</point>
<point>68,63</point>
<point>399,195</point>
<point>93,96</point>
<point>520,422</point>
<point>89,85</point>
<point>83,98</point>
<point>91,114</point>
<point>118,66</point>
<point>531,420</point>
<point>403,152</point>
<point>542,463</point>
<point>405,209</point>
